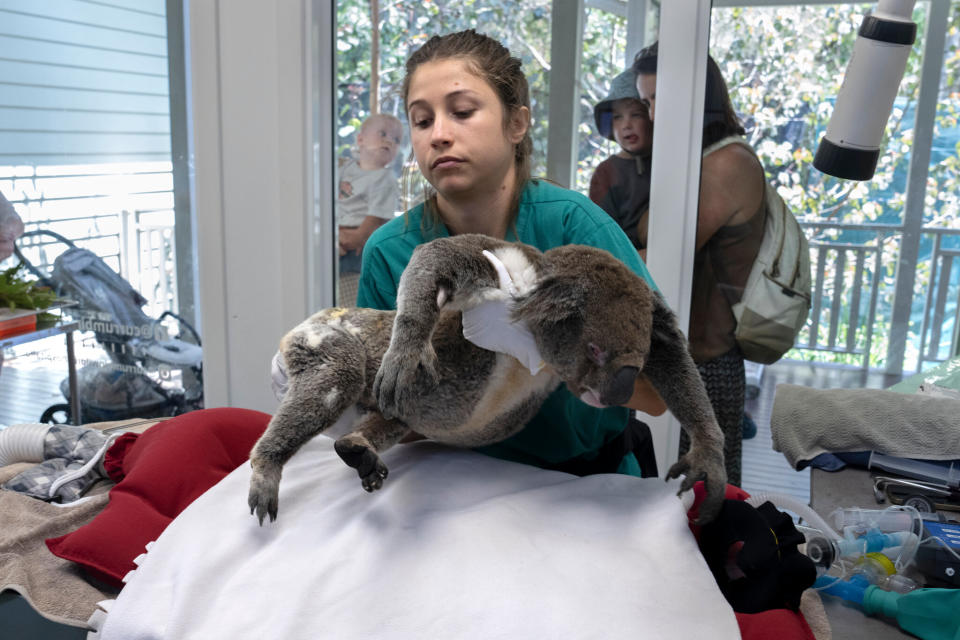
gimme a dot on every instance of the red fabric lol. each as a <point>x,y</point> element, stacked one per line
<point>700,492</point>
<point>775,624</point>
<point>163,470</point>
<point>113,458</point>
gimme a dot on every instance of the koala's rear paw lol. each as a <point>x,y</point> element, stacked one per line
<point>263,498</point>
<point>703,463</point>
<point>402,377</point>
<point>369,466</point>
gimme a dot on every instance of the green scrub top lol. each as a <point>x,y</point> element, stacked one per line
<point>548,216</point>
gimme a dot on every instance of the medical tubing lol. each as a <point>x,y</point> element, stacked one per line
<point>22,443</point>
<point>851,589</point>
<point>873,540</point>
<point>792,504</point>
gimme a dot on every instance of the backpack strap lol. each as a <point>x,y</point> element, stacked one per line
<point>722,142</point>
<point>774,204</point>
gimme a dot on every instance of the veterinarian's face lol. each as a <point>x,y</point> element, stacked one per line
<point>460,136</point>
<point>647,88</point>
<point>632,128</point>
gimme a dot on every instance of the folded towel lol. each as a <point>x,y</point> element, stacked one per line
<point>807,422</point>
<point>52,586</point>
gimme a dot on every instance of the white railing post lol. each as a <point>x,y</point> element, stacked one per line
<point>933,46</point>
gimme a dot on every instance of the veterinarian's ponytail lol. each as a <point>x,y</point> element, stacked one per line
<point>491,61</point>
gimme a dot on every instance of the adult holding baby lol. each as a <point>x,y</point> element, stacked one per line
<point>367,195</point>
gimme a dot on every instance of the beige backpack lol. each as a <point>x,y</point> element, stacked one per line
<point>776,299</point>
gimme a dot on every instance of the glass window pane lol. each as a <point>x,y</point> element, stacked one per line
<point>86,162</point>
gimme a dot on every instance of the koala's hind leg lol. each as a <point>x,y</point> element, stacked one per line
<point>317,397</point>
<point>359,448</point>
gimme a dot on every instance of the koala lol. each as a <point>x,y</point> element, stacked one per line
<point>384,374</point>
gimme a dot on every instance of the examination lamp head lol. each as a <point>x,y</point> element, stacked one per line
<point>851,147</point>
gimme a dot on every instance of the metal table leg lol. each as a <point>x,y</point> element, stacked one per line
<point>75,416</point>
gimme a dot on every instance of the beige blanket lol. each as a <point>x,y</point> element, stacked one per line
<point>56,588</point>
<point>806,422</point>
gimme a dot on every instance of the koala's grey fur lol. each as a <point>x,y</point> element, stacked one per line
<point>596,324</point>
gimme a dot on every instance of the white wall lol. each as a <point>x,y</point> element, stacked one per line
<point>253,183</point>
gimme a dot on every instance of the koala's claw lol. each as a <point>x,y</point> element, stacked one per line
<point>701,465</point>
<point>369,466</point>
<point>403,377</point>
<point>263,498</point>
<point>373,481</point>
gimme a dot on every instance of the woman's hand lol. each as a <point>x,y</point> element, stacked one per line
<point>645,398</point>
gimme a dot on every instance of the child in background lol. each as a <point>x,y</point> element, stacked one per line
<point>621,184</point>
<point>368,195</point>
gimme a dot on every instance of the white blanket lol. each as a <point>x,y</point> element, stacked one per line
<point>456,545</point>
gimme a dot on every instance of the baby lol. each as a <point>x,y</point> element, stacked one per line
<point>368,195</point>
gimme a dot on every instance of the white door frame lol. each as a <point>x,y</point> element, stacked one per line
<point>675,178</point>
<point>255,189</point>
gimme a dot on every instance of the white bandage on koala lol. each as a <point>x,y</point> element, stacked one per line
<point>278,376</point>
<point>488,325</point>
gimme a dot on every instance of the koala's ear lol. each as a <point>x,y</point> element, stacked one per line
<point>557,300</point>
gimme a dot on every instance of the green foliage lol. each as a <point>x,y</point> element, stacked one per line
<point>18,293</point>
<point>522,26</point>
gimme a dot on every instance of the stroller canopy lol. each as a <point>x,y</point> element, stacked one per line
<point>83,275</point>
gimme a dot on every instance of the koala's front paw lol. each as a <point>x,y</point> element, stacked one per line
<point>369,466</point>
<point>402,377</point>
<point>263,498</point>
<point>704,461</point>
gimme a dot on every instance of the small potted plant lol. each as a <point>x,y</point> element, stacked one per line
<point>18,294</point>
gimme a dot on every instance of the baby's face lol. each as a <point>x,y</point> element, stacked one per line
<point>378,141</point>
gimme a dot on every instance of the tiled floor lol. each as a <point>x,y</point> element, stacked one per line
<point>766,470</point>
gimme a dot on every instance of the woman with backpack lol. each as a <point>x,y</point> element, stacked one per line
<point>729,233</point>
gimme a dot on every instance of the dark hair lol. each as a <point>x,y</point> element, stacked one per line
<point>491,61</point>
<point>719,118</point>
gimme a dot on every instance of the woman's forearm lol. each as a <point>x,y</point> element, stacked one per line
<point>645,398</point>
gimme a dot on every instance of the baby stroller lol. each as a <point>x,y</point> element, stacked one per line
<point>143,358</point>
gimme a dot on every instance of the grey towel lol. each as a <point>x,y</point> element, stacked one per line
<point>807,422</point>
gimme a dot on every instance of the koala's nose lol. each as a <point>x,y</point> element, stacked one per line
<point>621,387</point>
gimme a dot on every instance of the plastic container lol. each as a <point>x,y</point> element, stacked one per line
<point>16,326</point>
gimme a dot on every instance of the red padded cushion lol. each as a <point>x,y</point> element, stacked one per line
<point>160,473</point>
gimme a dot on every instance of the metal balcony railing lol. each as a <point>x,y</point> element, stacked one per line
<point>853,285</point>
<point>143,253</point>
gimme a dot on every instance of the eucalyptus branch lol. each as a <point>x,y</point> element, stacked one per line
<point>536,54</point>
